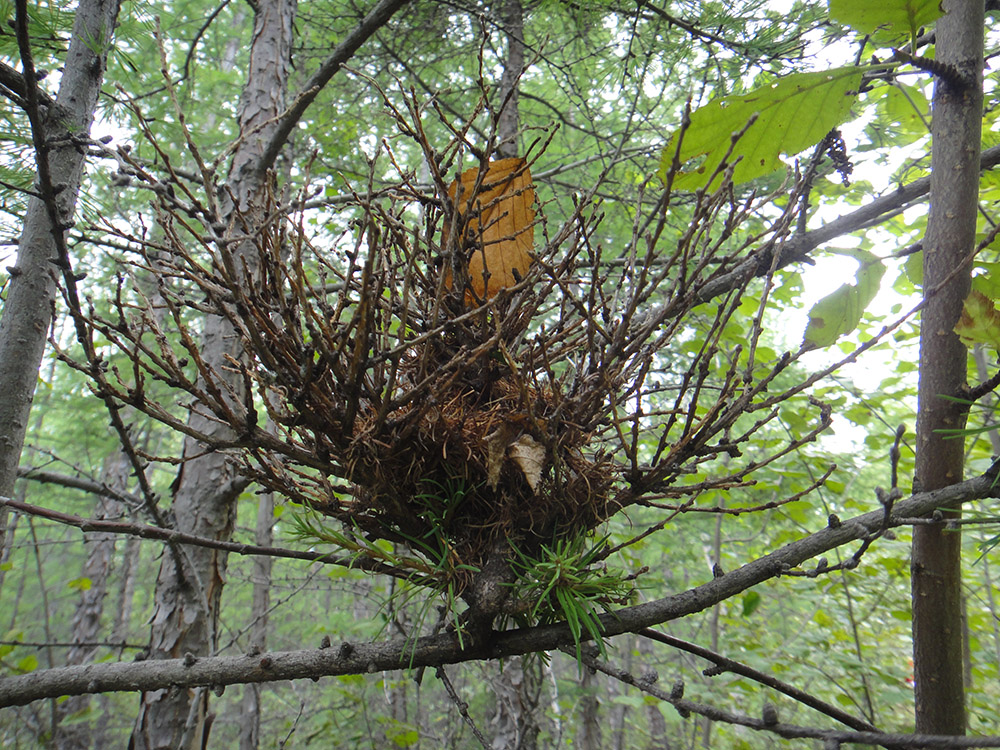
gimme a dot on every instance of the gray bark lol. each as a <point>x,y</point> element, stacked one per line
<point>186,614</point>
<point>87,628</point>
<point>518,690</point>
<point>250,726</point>
<point>508,120</point>
<point>658,737</point>
<point>936,575</point>
<point>588,736</point>
<point>187,600</point>
<point>27,313</point>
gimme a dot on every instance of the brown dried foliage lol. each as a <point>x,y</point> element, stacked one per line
<point>381,391</point>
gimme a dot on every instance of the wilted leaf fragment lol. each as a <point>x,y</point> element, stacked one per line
<point>980,322</point>
<point>500,223</point>
<point>895,18</point>
<point>497,443</point>
<point>839,313</point>
<point>793,114</point>
<point>529,455</point>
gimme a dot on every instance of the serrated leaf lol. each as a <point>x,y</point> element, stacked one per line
<point>897,18</point>
<point>980,321</point>
<point>792,114</point>
<point>839,313</point>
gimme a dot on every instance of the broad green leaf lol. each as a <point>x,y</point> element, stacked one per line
<point>792,114</point>
<point>751,600</point>
<point>898,18</point>
<point>980,321</point>
<point>839,313</point>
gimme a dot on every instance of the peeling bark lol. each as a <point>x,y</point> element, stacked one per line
<point>250,727</point>
<point>186,611</point>
<point>27,312</point>
<point>186,614</point>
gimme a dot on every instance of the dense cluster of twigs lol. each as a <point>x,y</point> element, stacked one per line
<point>367,386</point>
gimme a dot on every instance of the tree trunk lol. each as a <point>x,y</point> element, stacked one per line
<point>27,312</point>
<point>588,736</point>
<point>186,613</point>
<point>508,120</point>
<point>250,726</point>
<point>951,232</point>
<point>187,600</point>
<point>518,691</point>
<point>87,620</point>
<point>658,737</point>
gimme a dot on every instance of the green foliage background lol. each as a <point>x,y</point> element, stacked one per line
<point>612,83</point>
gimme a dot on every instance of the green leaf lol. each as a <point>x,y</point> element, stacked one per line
<point>902,114</point>
<point>28,664</point>
<point>840,312</point>
<point>987,279</point>
<point>80,584</point>
<point>980,321</point>
<point>751,600</point>
<point>407,738</point>
<point>792,114</point>
<point>895,18</point>
<point>914,268</point>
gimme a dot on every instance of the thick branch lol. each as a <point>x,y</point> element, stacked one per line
<point>444,649</point>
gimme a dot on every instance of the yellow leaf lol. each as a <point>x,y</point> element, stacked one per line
<point>500,223</point>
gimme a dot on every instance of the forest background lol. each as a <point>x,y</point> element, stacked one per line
<point>720,415</point>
